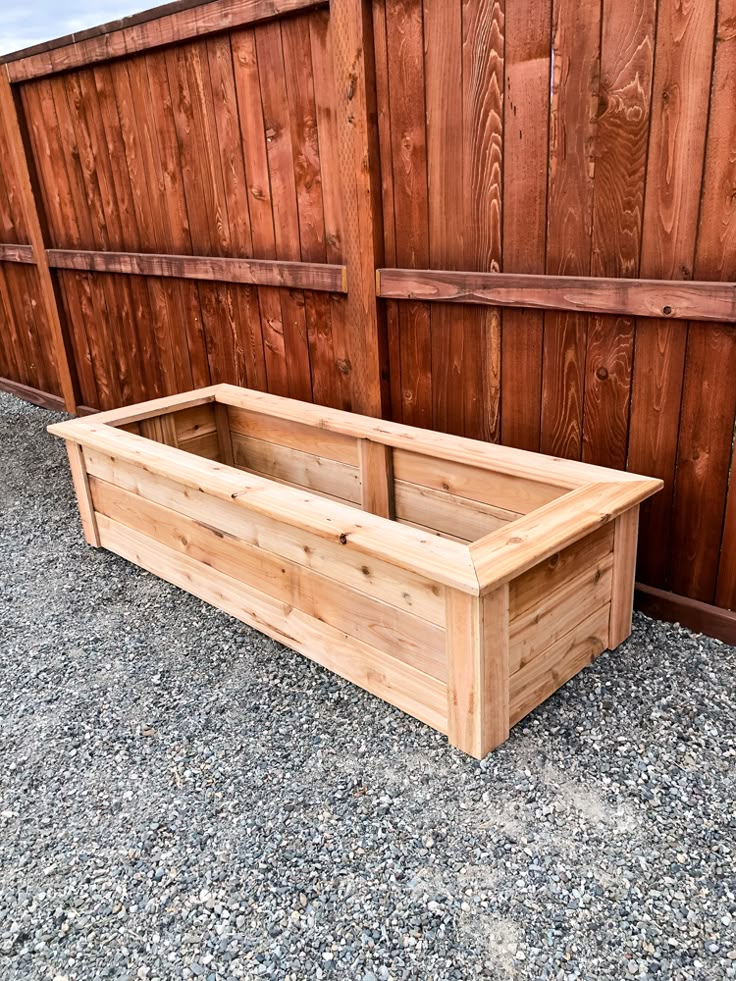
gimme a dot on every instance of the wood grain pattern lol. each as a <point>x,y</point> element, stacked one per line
<point>409,150</point>
<point>569,213</point>
<point>676,150</point>
<point>58,342</point>
<point>627,55</point>
<point>703,300</point>
<point>294,275</point>
<point>708,411</point>
<point>178,26</point>
<point>483,68</point>
<point>526,121</point>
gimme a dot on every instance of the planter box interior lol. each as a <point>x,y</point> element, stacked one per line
<point>461,581</point>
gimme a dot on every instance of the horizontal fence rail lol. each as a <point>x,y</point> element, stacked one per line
<point>506,221</point>
<point>628,297</point>
<point>256,272</point>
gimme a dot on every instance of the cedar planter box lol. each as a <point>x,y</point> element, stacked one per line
<point>474,582</point>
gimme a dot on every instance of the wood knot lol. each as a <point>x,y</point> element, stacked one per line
<point>343,538</point>
<point>667,310</point>
<point>601,373</point>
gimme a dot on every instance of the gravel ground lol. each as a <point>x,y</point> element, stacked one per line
<point>180,797</point>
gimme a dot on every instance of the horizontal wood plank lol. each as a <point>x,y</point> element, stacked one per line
<point>373,577</point>
<point>17,253</point>
<point>318,276</point>
<point>695,615</point>
<point>559,569</point>
<point>411,690</point>
<point>387,628</point>
<point>447,563</point>
<point>562,660</point>
<point>506,553</point>
<point>588,294</point>
<point>503,459</point>
<point>178,25</point>
<point>463,480</point>
<point>300,469</point>
<point>457,516</point>
<point>558,612</point>
<point>286,432</point>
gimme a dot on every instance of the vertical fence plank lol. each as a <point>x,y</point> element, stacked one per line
<point>19,161</point>
<point>351,36</point>
<point>627,49</point>
<point>483,54</point>
<point>676,147</point>
<point>709,392</point>
<point>409,152</point>
<point>569,212</point>
<point>451,370</point>
<point>526,126</point>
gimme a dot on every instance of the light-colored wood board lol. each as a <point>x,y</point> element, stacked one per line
<point>376,478</point>
<point>287,432</point>
<point>559,611</point>
<point>559,569</point>
<point>503,459</point>
<point>506,553</point>
<point>561,661</point>
<point>136,413</point>
<point>625,532</point>
<point>197,421</point>
<point>394,631</point>
<point>82,490</point>
<point>463,480</point>
<point>297,467</point>
<point>370,576</point>
<point>206,446</point>
<point>457,516</point>
<point>224,434</point>
<point>403,686</point>
<point>478,671</point>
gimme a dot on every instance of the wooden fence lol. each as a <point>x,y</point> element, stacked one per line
<point>514,221</point>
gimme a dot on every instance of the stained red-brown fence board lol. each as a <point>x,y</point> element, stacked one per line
<point>284,198</point>
<point>385,140</point>
<point>122,224</point>
<point>180,25</point>
<point>306,167</point>
<point>250,111</point>
<point>569,214</point>
<point>705,443</point>
<point>409,150</point>
<point>248,357</point>
<point>338,393</point>
<point>56,201</point>
<point>443,87</point>
<point>627,53</point>
<point>680,100</point>
<point>526,122</point>
<point>482,70</point>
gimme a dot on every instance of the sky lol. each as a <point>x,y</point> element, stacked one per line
<point>25,23</point>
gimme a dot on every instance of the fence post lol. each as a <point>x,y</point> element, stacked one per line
<point>351,36</point>
<point>20,162</point>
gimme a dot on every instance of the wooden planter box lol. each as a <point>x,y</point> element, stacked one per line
<point>474,582</point>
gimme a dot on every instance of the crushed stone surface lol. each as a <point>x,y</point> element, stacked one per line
<point>181,797</point>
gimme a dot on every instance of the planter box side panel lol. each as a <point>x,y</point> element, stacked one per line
<point>377,626</point>
<point>559,614</point>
